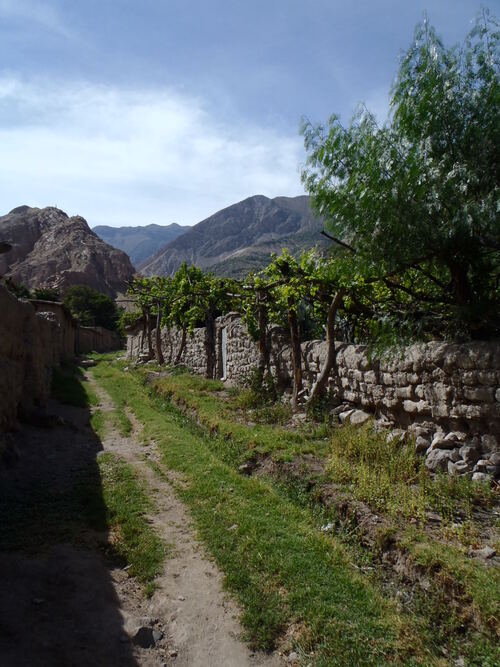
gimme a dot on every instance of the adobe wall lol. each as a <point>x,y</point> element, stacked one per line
<point>34,337</point>
<point>30,345</point>
<point>96,339</point>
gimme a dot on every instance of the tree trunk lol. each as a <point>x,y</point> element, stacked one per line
<point>210,345</point>
<point>159,353</point>
<point>264,352</point>
<point>148,333</point>
<point>143,335</point>
<point>296,352</point>
<point>460,283</point>
<point>181,346</point>
<point>320,386</point>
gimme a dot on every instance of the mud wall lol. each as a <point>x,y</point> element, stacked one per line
<point>30,345</point>
<point>34,337</point>
<point>97,339</point>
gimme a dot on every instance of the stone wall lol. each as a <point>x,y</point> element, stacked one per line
<point>436,389</point>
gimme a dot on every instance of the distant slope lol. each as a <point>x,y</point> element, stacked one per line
<point>139,243</point>
<point>50,249</point>
<point>241,237</point>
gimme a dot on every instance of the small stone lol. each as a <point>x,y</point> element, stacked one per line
<point>469,454</point>
<point>344,416</point>
<point>359,417</point>
<point>181,598</point>
<point>397,435</point>
<point>489,443</point>
<point>439,442</point>
<point>485,553</point>
<point>421,445</point>
<point>495,459</point>
<point>481,477</point>
<point>172,653</point>
<point>438,459</point>
<point>292,657</point>
<point>233,527</point>
<point>481,465</point>
<point>460,467</point>
<point>157,635</point>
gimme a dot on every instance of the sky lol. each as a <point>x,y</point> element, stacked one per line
<point>131,112</point>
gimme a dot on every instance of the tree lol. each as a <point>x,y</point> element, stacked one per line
<point>46,294</point>
<point>91,308</point>
<point>414,203</point>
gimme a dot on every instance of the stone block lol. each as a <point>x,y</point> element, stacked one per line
<point>416,407</point>
<point>479,394</point>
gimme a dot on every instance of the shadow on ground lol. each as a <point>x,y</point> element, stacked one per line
<point>58,606</point>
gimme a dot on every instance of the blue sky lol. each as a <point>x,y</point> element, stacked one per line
<point>138,111</point>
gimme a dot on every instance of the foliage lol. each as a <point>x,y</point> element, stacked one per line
<point>18,290</point>
<point>415,202</point>
<point>92,308</point>
<point>46,294</point>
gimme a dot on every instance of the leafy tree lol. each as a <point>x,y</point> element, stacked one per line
<point>46,294</point>
<point>91,308</point>
<point>414,204</point>
<point>17,289</point>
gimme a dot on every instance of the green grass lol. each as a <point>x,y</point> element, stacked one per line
<point>70,387</point>
<point>242,435</point>
<point>264,533</point>
<point>127,505</point>
<point>392,478</point>
<point>104,496</point>
<point>283,570</point>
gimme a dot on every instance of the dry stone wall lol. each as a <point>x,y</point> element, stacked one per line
<point>448,395</point>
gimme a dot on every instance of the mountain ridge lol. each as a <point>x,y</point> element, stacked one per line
<point>139,242</point>
<point>241,237</point>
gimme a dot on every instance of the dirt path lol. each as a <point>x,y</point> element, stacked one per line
<point>63,603</point>
<point>198,620</point>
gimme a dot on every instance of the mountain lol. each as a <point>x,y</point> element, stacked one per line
<point>139,243</point>
<point>50,249</point>
<point>241,237</point>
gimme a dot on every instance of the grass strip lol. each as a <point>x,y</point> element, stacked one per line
<point>127,504</point>
<point>284,572</point>
<point>69,386</point>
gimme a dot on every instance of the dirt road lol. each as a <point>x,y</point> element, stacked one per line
<point>65,603</point>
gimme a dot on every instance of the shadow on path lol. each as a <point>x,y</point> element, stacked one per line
<point>58,605</point>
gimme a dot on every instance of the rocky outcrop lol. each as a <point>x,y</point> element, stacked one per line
<point>242,237</point>
<point>50,249</point>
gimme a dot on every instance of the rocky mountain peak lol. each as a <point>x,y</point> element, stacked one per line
<point>52,249</point>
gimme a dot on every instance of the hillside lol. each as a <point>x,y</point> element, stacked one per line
<point>241,237</point>
<point>50,249</point>
<point>140,243</point>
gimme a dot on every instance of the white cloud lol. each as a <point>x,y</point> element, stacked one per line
<point>36,12</point>
<point>122,156</point>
